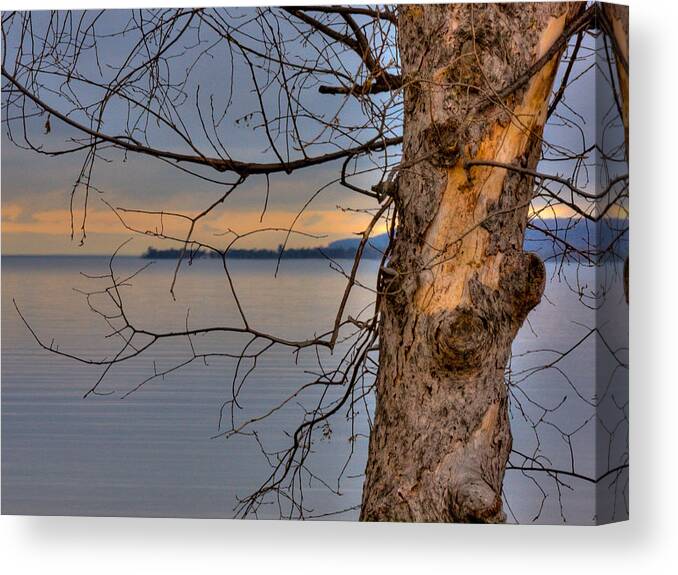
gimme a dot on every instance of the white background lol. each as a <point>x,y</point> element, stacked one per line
<point>647,543</point>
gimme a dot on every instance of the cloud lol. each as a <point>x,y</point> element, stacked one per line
<point>11,212</point>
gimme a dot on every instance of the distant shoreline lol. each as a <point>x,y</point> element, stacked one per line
<point>141,256</point>
<point>329,252</point>
<point>558,238</point>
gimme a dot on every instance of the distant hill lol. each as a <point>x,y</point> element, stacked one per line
<point>608,238</point>
<point>377,242</point>
<point>548,238</point>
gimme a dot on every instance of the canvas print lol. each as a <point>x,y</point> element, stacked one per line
<point>343,262</point>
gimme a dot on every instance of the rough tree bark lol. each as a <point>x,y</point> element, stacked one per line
<point>460,285</point>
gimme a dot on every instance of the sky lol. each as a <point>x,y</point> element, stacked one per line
<point>36,192</point>
<point>36,188</point>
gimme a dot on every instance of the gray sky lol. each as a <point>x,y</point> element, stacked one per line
<point>36,188</point>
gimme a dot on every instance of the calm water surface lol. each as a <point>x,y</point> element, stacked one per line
<point>152,454</point>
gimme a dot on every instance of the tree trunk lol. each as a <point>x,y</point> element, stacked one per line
<point>460,285</point>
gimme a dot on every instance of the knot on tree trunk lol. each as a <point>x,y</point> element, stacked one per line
<point>476,502</point>
<point>523,277</point>
<point>459,338</point>
<point>474,494</point>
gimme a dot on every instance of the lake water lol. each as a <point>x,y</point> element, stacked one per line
<point>152,454</point>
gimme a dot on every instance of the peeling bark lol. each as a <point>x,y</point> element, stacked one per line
<point>462,285</point>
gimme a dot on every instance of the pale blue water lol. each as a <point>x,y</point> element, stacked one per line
<point>152,453</point>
